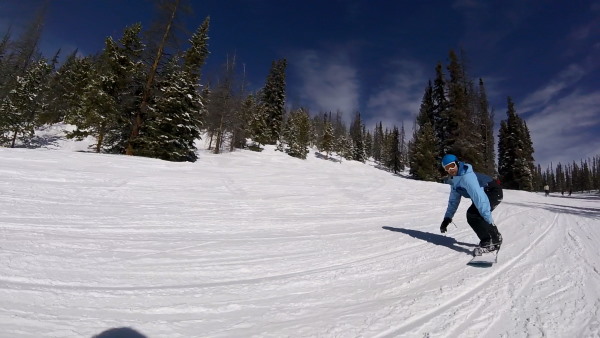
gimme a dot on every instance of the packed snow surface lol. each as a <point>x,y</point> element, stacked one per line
<point>249,244</point>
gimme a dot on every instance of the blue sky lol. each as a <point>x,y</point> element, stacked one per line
<point>377,56</point>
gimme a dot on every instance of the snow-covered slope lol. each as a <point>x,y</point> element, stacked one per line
<point>251,244</point>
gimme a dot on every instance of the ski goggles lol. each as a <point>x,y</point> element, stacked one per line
<point>450,166</point>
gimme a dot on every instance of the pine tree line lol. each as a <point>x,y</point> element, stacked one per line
<point>235,116</point>
<point>329,134</point>
<point>572,177</point>
<point>455,117</point>
<point>23,83</point>
<point>136,96</point>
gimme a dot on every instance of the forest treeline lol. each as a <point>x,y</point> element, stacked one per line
<point>143,95</point>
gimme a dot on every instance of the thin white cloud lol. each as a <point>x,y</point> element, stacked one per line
<point>398,97</point>
<point>326,82</point>
<point>564,113</point>
<point>565,79</point>
<point>567,130</point>
<point>585,30</point>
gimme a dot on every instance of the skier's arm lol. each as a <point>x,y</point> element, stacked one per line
<point>478,196</point>
<point>453,202</point>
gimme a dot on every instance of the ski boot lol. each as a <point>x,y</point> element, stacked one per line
<point>485,247</point>
<point>496,238</point>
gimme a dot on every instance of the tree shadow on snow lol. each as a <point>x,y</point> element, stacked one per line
<point>586,197</point>
<point>562,209</point>
<point>39,142</point>
<point>325,157</point>
<point>436,239</point>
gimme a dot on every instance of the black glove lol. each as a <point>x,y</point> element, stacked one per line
<point>445,223</point>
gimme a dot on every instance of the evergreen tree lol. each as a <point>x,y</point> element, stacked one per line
<point>327,143</point>
<point>586,177</point>
<point>368,142</point>
<point>20,64</point>
<point>157,51</point>
<point>596,172</point>
<point>460,118</point>
<point>485,119</point>
<point>568,178</point>
<point>273,98</point>
<point>5,65</point>
<point>345,147</point>
<point>529,162</point>
<point>424,164</point>
<point>560,179</point>
<point>515,152</point>
<point>385,153</point>
<point>245,116</point>
<point>23,105</point>
<point>67,87</point>
<point>317,130</point>
<point>296,134</point>
<point>403,148</point>
<point>550,178</point>
<point>97,113</point>
<point>356,135</point>
<point>576,178</point>
<point>393,150</point>
<point>195,56</point>
<point>112,92</point>
<point>538,179</point>
<point>259,129</point>
<point>378,142</point>
<point>429,107</point>
<point>424,151</point>
<point>159,106</point>
<point>122,74</point>
<point>174,118</point>
<point>436,110</point>
<point>462,138</point>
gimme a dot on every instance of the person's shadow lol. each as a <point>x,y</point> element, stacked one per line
<point>436,239</point>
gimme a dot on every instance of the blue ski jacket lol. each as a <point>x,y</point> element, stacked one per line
<point>469,184</point>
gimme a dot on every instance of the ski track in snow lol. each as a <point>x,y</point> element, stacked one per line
<point>263,245</point>
<point>465,297</point>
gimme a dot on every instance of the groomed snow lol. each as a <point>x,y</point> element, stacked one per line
<point>249,244</point>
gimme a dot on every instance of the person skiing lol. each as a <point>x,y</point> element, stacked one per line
<point>547,190</point>
<point>484,192</point>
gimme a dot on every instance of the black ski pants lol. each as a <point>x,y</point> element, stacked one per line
<point>482,228</point>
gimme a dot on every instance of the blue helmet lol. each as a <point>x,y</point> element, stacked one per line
<point>448,158</point>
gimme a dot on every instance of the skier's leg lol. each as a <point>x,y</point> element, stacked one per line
<point>495,194</point>
<point>478,224</point>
